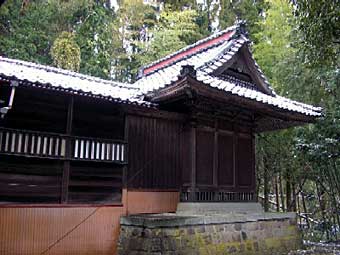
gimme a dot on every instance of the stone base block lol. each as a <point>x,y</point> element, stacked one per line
<point>171,234</point>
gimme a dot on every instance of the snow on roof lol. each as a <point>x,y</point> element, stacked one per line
<point>168,74</point>
<point>206,60</point>
<point>276,101</point>
<point>61,79</point>
<point>206,56</point>
<point>189,50</point>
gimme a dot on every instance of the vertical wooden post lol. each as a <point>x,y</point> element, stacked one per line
<point>66,169</point>
<point>125,191</point>
<point>215,162</point>
<point>215,156</point>
<point>126,138</point>
<point>234,158</point>
<point>193,162</point>
<point>253,155</point>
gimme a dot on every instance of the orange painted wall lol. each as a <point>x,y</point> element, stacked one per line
<point>152,202</point>
<point>32,230</point>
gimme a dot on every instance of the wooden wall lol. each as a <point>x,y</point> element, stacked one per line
<point>30,231</point>
<point>221,157</point>
<point>36,111</point>
<point>154,153</point>
<point>43,110</point>
<point>32,177</point>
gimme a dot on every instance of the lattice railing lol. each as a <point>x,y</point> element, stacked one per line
<point>50,145</point>
<point>217,196</point>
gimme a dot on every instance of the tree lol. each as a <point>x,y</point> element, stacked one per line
<point>252,11</point>
<point>313,169</point>
<point>28,31</point>
<point>94,35</point>
<point>65,52</point>
<point>132,26</point>
<point>319,22</point>
<point>174,31</point>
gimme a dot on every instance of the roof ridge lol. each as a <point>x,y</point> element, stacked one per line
<point>184,58</point>
<point>203,40</point>
<point>66,72</point>
<point>230,45</point>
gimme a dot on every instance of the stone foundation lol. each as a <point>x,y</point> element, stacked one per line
<point>171,234</point>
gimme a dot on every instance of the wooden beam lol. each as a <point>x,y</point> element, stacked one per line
<point>66,169</point>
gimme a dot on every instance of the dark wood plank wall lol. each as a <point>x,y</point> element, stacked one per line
<point>245,165</point>
<point>27,180</point>
<point>224,157</point>
<point>36,111</point>
<point>225,160</point>
<point>95,183</point>
<point>154,153</point>
<point>160,156</point>
<point>204,157</point>
<point>44,179</point>
<point>159,149</point>
<point>97,118</point>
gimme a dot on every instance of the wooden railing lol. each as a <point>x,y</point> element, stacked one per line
<point>217,196</point>
<point>50,145</point>
<point>98,149</point>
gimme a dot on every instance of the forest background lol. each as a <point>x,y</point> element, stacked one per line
<point>295,42</point>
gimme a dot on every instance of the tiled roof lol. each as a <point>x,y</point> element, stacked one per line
<point>206,56</point>
<point>206,61</point>
<point>277,101</point>
<point>202,44</point>
<point>168,74</point>
<point>60,79</point>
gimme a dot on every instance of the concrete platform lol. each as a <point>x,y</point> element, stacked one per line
<point>218,208</point>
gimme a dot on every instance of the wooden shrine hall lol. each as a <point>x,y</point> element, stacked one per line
<point>76,148</point>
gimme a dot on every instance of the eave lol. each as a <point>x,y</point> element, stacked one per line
<point>269,117</point>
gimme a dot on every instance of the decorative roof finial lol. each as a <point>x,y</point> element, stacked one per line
<point>140,73</point>
<point>187,70</point>
<point>241,27</point>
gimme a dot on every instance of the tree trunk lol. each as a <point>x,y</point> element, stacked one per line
<point>322,209</point>
<point>304,207</point>
<point>266,184</point>
<point>288,192</point>
<point>282,194</point>
<point>277,194</point>
<point>293,205</point>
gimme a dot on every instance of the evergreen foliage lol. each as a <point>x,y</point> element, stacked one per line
<point>65,52</point>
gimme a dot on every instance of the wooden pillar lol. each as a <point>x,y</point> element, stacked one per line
<point>126,138</point>
<point>215,157</point>
<point>193,161</point>
<point>253,148</point>
<point>68,153</point>
<point>235,181</point>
